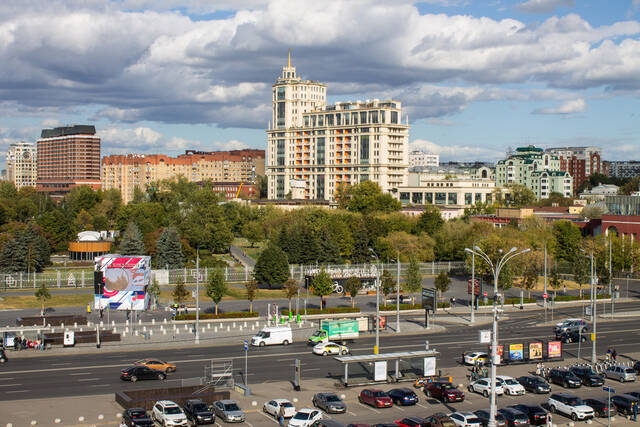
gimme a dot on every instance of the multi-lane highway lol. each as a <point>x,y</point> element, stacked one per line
<point>98,372</point>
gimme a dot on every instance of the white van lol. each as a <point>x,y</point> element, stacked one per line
<point>273,335</point>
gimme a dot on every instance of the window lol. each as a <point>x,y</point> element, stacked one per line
<point>404,197</point>
<point>441,198</point>
<point>453,199</point>
<point>394,117</point>
<point>468,198</point>
<point>416,198</point>
<point>428,198</point>
<point>364,149</point>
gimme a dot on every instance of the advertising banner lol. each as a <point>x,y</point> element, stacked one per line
<point>554,349</point>
<point>380,371</point>
<point>516,351</point>
<point>122,282</point>
<point>499,353</point>
<point>535,350</point>
<point>429,366</point>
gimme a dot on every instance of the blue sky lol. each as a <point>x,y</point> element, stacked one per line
<point>475,77</point>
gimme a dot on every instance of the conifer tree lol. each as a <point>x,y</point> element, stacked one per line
<point>272,267</point>
<point>169,250</point>
<point>132,243</point>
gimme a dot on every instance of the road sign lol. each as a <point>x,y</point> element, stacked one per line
<point>426,345</point>
<point>485,336</point>
<point>544,296</point>
<point>246,345</point>
<point>476,287</point>
<point>484,295</point>
<point>609,389</point>
<point>71,281</point>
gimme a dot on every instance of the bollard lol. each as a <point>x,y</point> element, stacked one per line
<point>100,417</point>
<point>81,419</point>
<point>124,334</point>
<point>115,330</point>
<point>164,332</point>
<point>245,324</point>
<point>81,329</point>
<point>208,325</point>
<point>34,422</point>
<point>165,320</point>
<point>101,323</point>
<point>343,396</point>
<point>136,332</point>
<point>177,331</point>
<point>215,329</point>
<point>57,421</point>
<point>150,332</point>
<point>119,415</point>
<point>75,324</point>
<point>234,325</point>
<point>139,321</point>
<point>113,323</point>
<point>186,327</point>
<point>144,329</point>
<point>240,328</point>
<point>203,329</point>
<point>126,329</point>
<point>228,328</point>
<point>254,403</point>
<point>153,321</point>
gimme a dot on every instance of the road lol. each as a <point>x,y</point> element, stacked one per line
<point>86,374</point>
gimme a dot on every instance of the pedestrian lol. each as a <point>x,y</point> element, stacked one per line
<point>549,420</point>
<point>608,356</point>
<point>101,313</point>
<point>614,355</point>
<point>538,369</point>
<point>634,408</point>
<point>281,416</point>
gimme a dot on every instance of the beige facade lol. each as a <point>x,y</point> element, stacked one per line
<point>446,190</point>
<point>126,172</point>
<point>21,164</point>
<point>313,148</point>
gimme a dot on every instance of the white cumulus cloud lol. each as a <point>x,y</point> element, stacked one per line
<point>465,152</point>
<point>543,6</point>
<point>567,107</point>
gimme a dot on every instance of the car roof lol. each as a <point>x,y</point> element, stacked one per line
<point>627,396</point>
<point>227,401</point>
<point>136,410</point>
<point>465,413</point>
<point>402,389</point>
<point>167,403</point>
<point>373,389</point>
<point>564,395</point>
<point>281,400</point>
<point>505,377</point>
<point>195,401</point>
<point>306,410</point>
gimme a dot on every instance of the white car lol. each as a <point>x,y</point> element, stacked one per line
<point>169,414</point>
<point>510,385</point>
<point>330,348</point>
<point>569,405</point>
<point>483,386</point>
<point>465,419</point>
<point>273,407</point>
<point>305,417</point>
<point>471,357</point>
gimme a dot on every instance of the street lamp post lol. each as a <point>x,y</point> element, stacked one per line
<point>398,296</point>
<point>197,338</point>
<point>377,322</point>
<point>513,252</point>
<point>593,296</point>
<point>473,284</point>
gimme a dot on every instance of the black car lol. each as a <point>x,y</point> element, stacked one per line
<point>136,417</point>
<point>537,415</point>
<point>572,336</point>
<point>534,384</point>
<point>329,403</point>
<point>565,378</point>
<point>198,412</point>
<point>135,373</point>
<point>587,376</point>
<point>624,403</point>
<point>483,415</point>
<point>600,407</point>
<point>636,366</point>
<point>514,417</point>
<point>403,396</point>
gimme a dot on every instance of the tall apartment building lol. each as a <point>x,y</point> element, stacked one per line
<point>126,172</point>
<point>580,162</point>
<point>21,164</point>
<point>536,170</point>
<point>420,158</point>
<point>313,148</point>
<point>624,169</point>
<point>68,157</point>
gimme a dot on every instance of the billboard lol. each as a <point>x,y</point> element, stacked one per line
<point>554,349</point>
<point>535,350</point>
<point>429,299</point>
<point>120,282</point>
<point>516,351</point>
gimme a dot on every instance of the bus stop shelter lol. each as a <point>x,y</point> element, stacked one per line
<point>380,362</point>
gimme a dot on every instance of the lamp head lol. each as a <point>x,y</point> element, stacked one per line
<point>513,249</point>
<point>468,250</point>
<point>476,248</point>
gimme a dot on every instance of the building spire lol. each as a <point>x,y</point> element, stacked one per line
<point>289,62</point>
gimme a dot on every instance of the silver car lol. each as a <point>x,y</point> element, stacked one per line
<point>229,411</point>
<point>620,373</point>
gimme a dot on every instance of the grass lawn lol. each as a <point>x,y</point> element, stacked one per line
<point>234,292</point>
<point>244,244</point>
<point>56,300</point>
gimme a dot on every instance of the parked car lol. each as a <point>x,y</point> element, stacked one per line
<point>403,396</point>
<point>588,376</point>
<point>168,414</point>
<point>534,384</point>
<point>620,373</point>
<point>376,398</point>
<point>305,417</point>
<point>274,406</point>
<point>511,386</point>
<point>636,366</point>
<point>514,417</point>
<point>136,417</point>
<point>157,364</point>
<point>411,422</point>
<point>329,403</point>
<point>443,390</point>
<point>635,394</point>
<point>198,412</point>
<point>328,348</point>
<point>569,405</point>
<point>484,416</point>
<point>483,386</point>
<point>393,299</point>
<point>228,410</point>
<point>471,357</point>
<point>439,419</point>
<point>465,419</point>
<point>624,403</point>
<point>571,325</point>
<point>537,415</point>
<point>565,378</point>
<point>135,373</point>
<point>572,336</point>
<point>600,407</point>
<point>330,423</point>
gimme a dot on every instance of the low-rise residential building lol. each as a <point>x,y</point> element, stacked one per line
<point>443,189</point>
<point>420,158</point>
<point>599,192</point>
<point>236,190</point>
<point>22,168</point>
<point>580,162</point>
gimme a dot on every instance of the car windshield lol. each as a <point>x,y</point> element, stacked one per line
<point>447,423</point>
<point>317,334</point>
<point>260,334</point>
<point>172,410</point>
<point>574,401</point>
<point>447,386</point>
<point>473,420</point>
<point>231,407</point>
<point>200,407</point>
<point>286,405</point>
<point>302,416</point>
<point>511,381</point>
<point>332,398</point>
<point>138,414</point>
<point>537,381</point>
<point>629,371</point>
<point>380,394</point>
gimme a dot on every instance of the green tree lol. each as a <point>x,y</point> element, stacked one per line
<point>290,290</point>
<point>252,289</point>
<point>361,245</point>
<point>154,292</point>
<point>521,196</point>
<point>180,292</point>
<point>413,282</point>
<point>253,232</point>
<point>352,286</point>
<point>322,286</point>
<point>505,280</point>
<point>216,287</point>
<point>530,277</point>
<point>37,251</point>
<point>442,283</point>
<point>12,257</point>
<point>57,229</point>
<point>169,250</point>
<point>272,266</point>
<point>42,293</point>
<point>567,240</point>
<point>580,269</point>
<point>220,237</point>
<point>430,221</point>
<point>367,197</point>
<point>387,283</point>
<point>132,243</point>
<point>554,280</point>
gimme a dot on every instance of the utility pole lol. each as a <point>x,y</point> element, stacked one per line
<point>398,296</point>
<point>377,322</point>
<point>197,340</point>
<point>545,282</point>
<point>473,285</point>
<point>594,358</point>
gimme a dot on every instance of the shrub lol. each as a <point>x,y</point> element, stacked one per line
<point>330,310</point>
<point>229,315</point>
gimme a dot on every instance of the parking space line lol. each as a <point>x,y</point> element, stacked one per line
<point>398,408</point>
<point>422,406</point>
<point>369,407</point>
<point>352,413</point>
<point>268,417</point>
<point>248,423</point>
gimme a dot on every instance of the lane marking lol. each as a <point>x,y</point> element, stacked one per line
<point>81,373</point>
<point>369,407</point>
<point>270,418</point>
<point>88,379</point>
<point>17,391</point>
<point>9,385</point>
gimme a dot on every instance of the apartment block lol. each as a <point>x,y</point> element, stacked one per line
<point>580,162</point>
<point>313,148</point>
<point>419,158</point>
<point>68,157</point>
<point>22,165</point>
<point>126,172</point>
<point>624,169</point>
<point>539,171</point>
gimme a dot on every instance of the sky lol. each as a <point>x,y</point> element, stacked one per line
<point>475,77</point>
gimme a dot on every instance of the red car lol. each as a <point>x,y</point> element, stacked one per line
<point>375,398</point>
<point>444,391</point>
<point>412,422</point>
